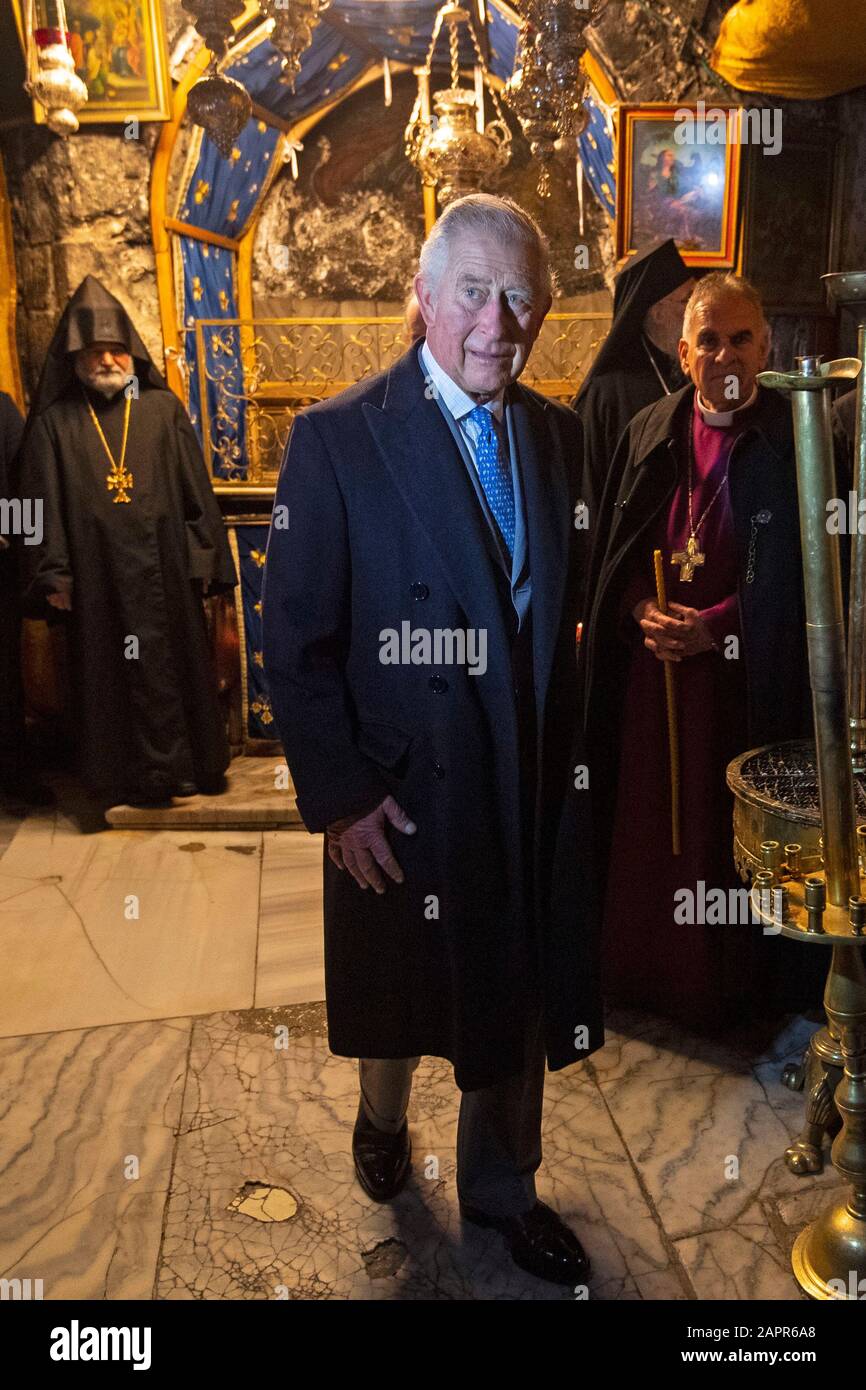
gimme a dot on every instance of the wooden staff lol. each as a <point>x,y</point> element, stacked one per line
<point>671,695</point>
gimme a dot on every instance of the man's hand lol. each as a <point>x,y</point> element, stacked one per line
<point>361,846</point>
<point>671,636</point>
<point>61,599</point>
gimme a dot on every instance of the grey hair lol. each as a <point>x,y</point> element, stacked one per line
<point>717,285</point>
<point>485,213</point>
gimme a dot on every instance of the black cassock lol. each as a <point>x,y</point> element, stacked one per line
<point>11,699</point>
<point>629,372</point>
<point>147,714</point>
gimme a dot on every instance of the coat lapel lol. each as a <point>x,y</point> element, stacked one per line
<point>546,498</point>
<point>419,452</point>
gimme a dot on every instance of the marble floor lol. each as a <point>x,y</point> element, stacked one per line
<point>174,1126</point>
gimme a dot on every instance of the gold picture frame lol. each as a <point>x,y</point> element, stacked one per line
<point>688,190</point>
<point>120,54</point>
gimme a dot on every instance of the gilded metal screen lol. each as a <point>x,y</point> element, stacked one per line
<point>256,374</point>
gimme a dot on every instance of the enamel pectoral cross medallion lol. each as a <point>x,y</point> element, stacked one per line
<point>689,559</point>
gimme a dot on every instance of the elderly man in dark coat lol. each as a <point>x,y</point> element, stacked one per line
<point>420,600</point>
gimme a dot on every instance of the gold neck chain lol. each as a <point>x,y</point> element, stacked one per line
<point>118,480</point>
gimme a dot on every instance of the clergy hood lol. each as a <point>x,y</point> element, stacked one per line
<point>646,277</point>
<point>91,316</point>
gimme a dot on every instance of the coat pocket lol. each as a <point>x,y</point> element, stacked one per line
<point>384,744</point>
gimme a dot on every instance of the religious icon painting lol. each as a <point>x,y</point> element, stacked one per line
<point>118,48</point>
<point>678,175</point>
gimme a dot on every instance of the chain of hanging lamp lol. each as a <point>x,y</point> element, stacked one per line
<point>457,153</point>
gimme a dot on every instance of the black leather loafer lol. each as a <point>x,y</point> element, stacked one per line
<point>381,1160</point>
<point>539,1242</point>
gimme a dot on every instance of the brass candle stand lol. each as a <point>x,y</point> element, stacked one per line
<point>810,889</point>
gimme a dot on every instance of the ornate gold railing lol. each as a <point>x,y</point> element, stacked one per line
<point>254,375</point>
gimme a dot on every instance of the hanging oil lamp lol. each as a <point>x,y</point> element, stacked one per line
<point>451,147</point>
<point>547,89</point>
<point>217,103</point>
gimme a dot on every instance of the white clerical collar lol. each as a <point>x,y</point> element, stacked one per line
<point>455,398</point>
<point>722,419</point>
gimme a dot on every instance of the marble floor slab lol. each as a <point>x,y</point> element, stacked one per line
<point>86,1142</point>
<point>290,963</point>
<point>258,792</point>
<point>258,1114</point>
<point>707,1123</point>
<point>733,1117</point>
<point>210,1159</point>
<point>124,925</point>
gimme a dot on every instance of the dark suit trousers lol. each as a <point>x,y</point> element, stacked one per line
<point>498,1129</point>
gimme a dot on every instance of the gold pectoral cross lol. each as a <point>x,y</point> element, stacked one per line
<point>119,479</point>
<point>688,559</point>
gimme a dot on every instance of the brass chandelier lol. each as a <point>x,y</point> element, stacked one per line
<point>292,34</point>
<point>452,148</point>
<point>547,89</point>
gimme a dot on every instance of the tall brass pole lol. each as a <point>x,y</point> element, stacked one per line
<point>848,289</point>
<point>857,600</point>
<point>816,482</point>
<point>829,1256</point>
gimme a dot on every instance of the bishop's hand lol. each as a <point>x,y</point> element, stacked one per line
<point>361,846</point>
<point>61,599</point>
<point>672,636</point>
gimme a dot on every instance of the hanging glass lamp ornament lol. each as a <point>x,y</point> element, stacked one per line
<point>51,76</point>
<point>294,22</point>
<point>219,104</point>
<point>547,89</point>
<point>459,154</point>
<point>213,20</point>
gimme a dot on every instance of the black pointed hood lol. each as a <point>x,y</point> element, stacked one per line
<point>646,277</point>
<point>92,315</point>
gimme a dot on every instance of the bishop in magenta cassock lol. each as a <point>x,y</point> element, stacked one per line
<point>708,478</point>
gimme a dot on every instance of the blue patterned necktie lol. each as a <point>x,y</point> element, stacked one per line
<point>494,471</point>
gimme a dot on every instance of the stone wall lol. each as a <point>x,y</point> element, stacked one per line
<point>81,206</point>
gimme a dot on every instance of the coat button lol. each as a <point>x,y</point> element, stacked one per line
<point>438,684</point>
<point>419,591</point>
<point>438,771</point>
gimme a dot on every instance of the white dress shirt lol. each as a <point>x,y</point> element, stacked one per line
<point>460,405</point>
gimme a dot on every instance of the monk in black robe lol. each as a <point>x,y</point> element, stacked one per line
<point>708,476</point>
<point>16,782</point>
<point>637,363</point>
<point>133,539</point>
